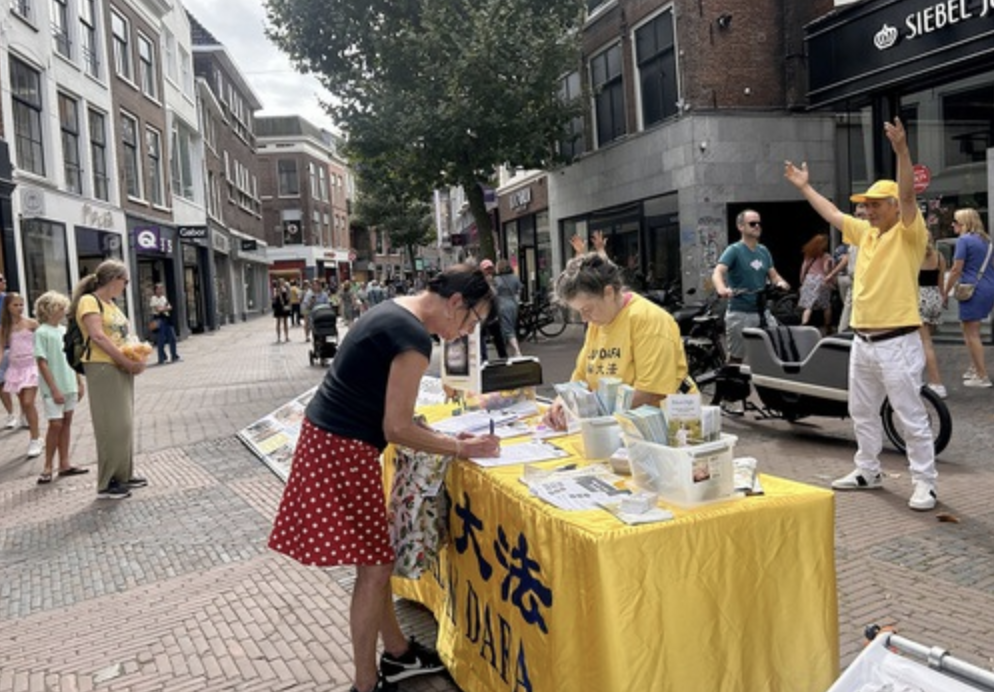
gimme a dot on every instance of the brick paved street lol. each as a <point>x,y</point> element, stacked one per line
<point>173,589</point>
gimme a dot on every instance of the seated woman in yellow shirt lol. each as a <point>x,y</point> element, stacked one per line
<point>628,336</point>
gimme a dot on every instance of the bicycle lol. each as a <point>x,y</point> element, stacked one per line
<point>541,317</point>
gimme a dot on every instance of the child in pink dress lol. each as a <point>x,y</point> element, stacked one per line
<point>17,333</point>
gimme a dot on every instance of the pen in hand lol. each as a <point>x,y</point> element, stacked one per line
<point>491,427</point>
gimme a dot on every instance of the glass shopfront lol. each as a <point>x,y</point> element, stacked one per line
<point>94,246</point>
<point>46,259</point>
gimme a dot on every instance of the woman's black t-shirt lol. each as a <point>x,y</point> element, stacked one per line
<point>351,400</point>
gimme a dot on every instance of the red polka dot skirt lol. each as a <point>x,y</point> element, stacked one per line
<point>333,510</point>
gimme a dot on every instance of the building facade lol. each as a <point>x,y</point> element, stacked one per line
<point>236,234</point>
<point>693,111</point>
<point>304,203</point>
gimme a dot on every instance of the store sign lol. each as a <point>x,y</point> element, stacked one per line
<point>250,245</point>
<point>864,47</point>
<point>519,199</point>
<point>97,218</point>
<point>922,177</point>
<point>152,239</point>
<point>192,232</point>
<point>220,242</point>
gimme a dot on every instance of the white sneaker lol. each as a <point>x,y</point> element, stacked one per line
<point>11,422</point>
<point>735,408</point>
<point>24,422</point>
<point>924,497</point>
<point>939,389</point>
<point>857,480</point>
<point>982,382</point>
<point>35,448</point>
<point>970,373</point>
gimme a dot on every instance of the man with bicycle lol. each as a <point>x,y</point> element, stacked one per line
<point>740,275</point>
<point>887,354</point>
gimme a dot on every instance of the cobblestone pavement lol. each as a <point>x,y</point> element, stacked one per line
<point>173,589</point>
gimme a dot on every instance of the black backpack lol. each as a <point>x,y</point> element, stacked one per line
<point>76,346</point>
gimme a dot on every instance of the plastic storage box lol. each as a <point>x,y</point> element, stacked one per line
<point>684,476</point>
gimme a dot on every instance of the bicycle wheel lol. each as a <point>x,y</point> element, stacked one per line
<point>552,320</point>
<point>702,366</point>
<point>784,309</point>
<point>939,418</point>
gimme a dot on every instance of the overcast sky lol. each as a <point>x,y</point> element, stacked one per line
<point>238,24</point>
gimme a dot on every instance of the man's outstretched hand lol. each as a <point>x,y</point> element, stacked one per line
<point>798,177</point>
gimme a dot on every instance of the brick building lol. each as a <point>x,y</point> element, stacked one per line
<point>694,109</point>
<point>234,208</point>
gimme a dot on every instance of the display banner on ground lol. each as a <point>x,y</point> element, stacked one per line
<point>273,438</point>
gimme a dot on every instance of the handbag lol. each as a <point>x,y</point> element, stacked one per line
<point>418,511</point>
<point>153,325</point>
<point>963,292</point>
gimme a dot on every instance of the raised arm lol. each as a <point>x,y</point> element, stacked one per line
<point>799,178</point>
<point>905,172</point>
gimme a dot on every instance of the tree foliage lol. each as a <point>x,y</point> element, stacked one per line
<point>440,92</point>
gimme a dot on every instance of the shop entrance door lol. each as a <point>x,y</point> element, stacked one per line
<point>194,300</point>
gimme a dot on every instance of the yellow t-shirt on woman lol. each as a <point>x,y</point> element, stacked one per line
<point>115,325</point>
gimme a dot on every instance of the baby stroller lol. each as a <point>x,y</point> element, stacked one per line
<point>324,334</point>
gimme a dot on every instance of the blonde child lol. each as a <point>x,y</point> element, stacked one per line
<point>61,387</point>
<point>17,334</point>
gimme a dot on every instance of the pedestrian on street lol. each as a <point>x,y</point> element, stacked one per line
<point>165,335</point>
<point>295,295</point>
<point>930,305</point>
<point>17,334</point>
<point>61,387</point>
<point>744,266</point>
<point>972,266</point>
<point>333,510</point>
<point>508,288</point>
<point>281,307</point>
<point>110,376</point>
<point>5,398</point>
<point>627,335</point>
<point>887,354</point>
<point>306,305</point>
<point>816,288</point>
<point>492,327</point>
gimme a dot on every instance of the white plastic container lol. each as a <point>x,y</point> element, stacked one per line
<point>684,476</point>
<point>601,437</point>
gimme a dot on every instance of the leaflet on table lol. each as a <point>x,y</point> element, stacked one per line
<point>473,422</point>
<point>619,508</point>
<point>583,491</point>
<point>522,453</point>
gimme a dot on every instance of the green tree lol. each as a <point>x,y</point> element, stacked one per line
<point>441,92</point>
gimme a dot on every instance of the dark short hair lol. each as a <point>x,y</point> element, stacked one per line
<point>468,281</point>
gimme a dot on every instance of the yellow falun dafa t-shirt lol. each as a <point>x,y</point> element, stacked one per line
<point>115,324</point>
<point>885,285</point>
<point>641,345</point>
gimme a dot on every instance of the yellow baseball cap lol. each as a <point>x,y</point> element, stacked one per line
<point>882,189</point>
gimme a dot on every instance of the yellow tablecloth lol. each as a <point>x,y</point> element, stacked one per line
<point>737,596</point>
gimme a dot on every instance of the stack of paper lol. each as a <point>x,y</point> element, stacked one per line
<point>644,423</point>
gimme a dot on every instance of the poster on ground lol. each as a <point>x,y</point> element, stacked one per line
<point>273,438</point>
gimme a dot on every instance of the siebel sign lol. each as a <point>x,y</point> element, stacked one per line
<point>932,18</point>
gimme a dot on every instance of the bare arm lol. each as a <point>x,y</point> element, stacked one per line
<point>46,375</point>
<point>95,329</point>
<point>399,426</point>
<point>718,279</point>
<point>905,172</point>
<point>955,272</point>
<point>838,268</point>
<point>799,178</point>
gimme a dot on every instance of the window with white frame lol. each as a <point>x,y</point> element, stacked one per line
<point>323,183</point>
<point>186,72</point>
<point>153,150</point>
<point>22,8</point>
<point>181,161</point>
<point>122,45</point>
<point>132,160</point>
<point>60,27</point>
<point>146,67</point>
<point>655,59</point>
<point>169,56</point>
<point>608,88</point>
<point>98,155</point>
<point>313,171</point>
<point>25,92</point>
<point>88,37</point>
<point>69,124</point>
<point>289,183</point>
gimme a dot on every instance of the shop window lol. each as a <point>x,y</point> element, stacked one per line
<point>968,118</point>
<point>609,94</point>
<point>121,46</point>
<point>25,91</point>
<point>98,155</point>
<point>570,91</point>
<point>132,162</point>
<point>655,58</point>
<point>69,123</point>
<point>156,187</point>
<point>88,37</point>
<point>93,247</point>
<point>146,67</point>
<point>60,27</point>
<point>289,184</point>
<point>46,262</point>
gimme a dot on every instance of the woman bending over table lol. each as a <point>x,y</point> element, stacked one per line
<point>628,336</point>
<point>333,510</point>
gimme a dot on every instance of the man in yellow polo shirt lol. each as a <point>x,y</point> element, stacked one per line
<point>887,354</point>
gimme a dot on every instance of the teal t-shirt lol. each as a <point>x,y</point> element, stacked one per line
<point>48,345</point>
<point>747,269</point>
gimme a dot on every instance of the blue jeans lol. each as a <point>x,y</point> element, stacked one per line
<point>166,336</point>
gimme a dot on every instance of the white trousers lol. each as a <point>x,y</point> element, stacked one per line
<point>890,369</point>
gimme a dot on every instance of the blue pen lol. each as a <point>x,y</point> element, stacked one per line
<point>491,426</point>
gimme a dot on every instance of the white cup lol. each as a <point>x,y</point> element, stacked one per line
<point>601,437</point>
